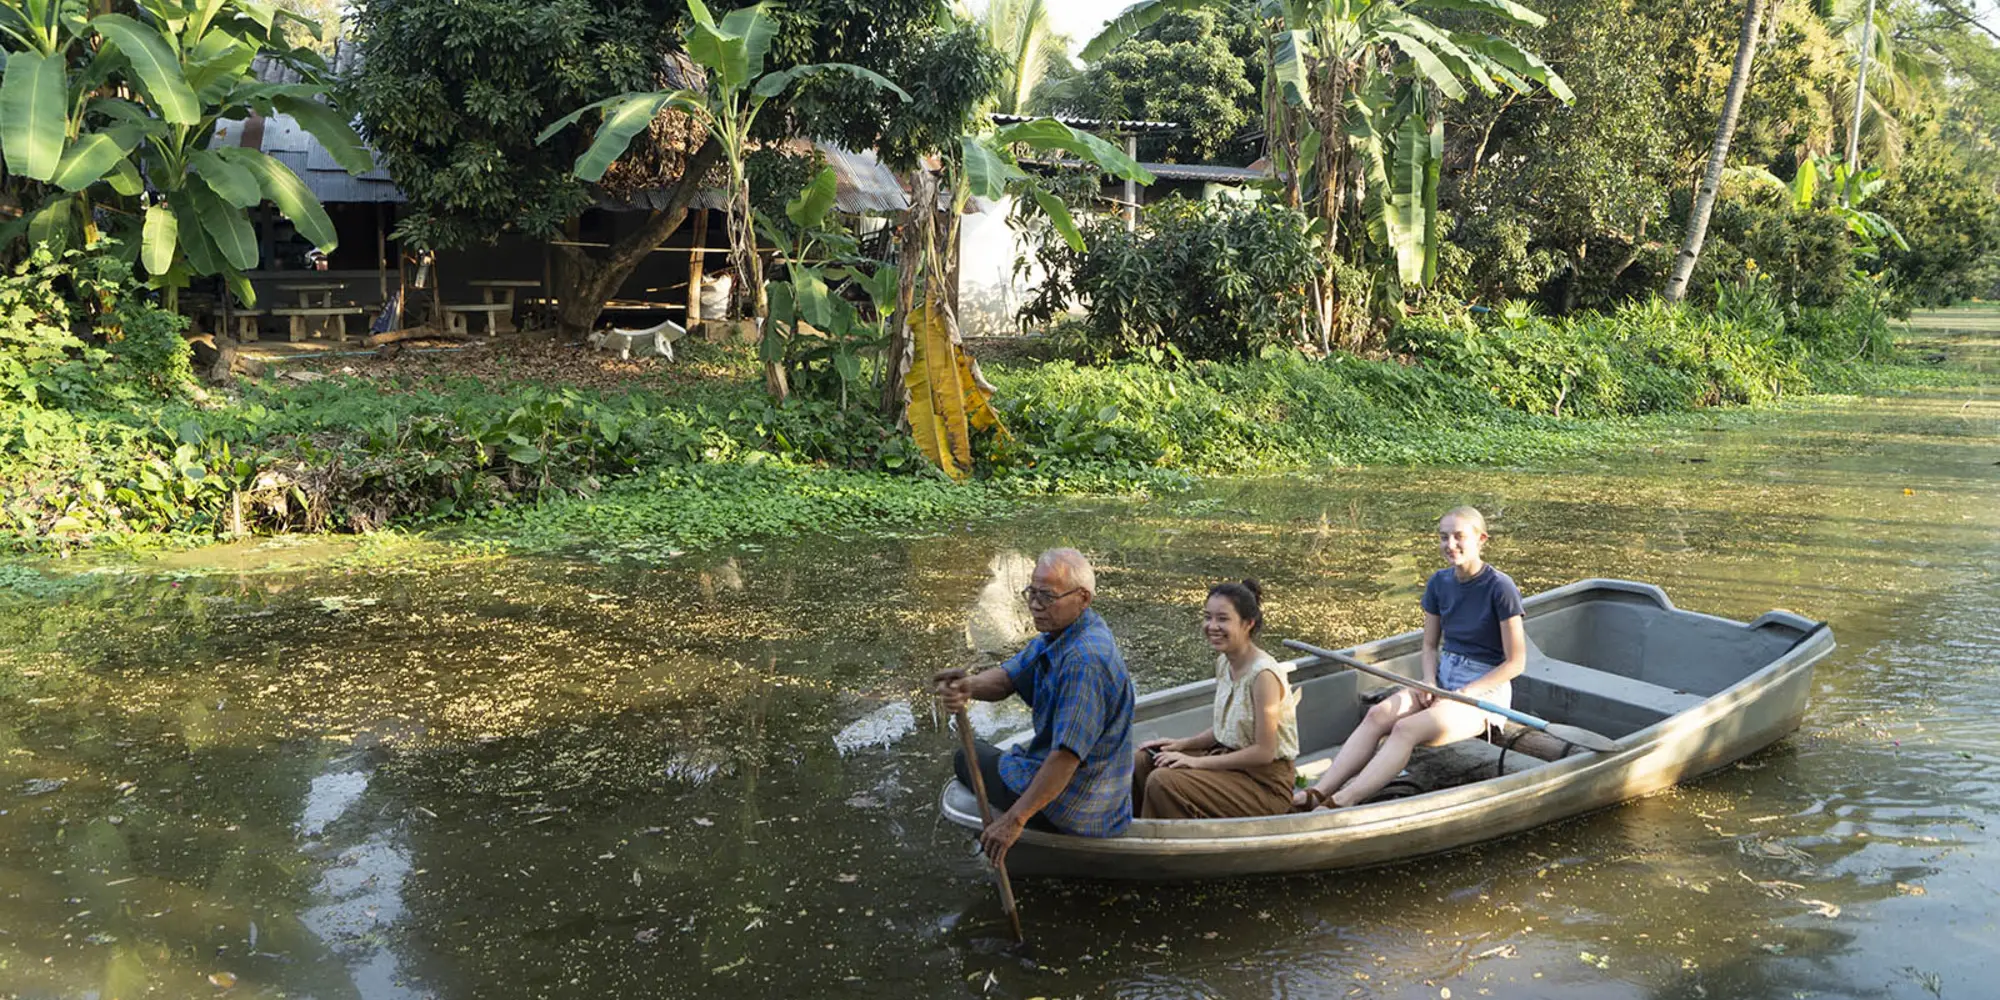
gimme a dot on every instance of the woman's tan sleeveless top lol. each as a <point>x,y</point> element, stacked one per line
<point>1236,707</point>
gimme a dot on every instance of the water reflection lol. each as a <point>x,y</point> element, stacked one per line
<point>539,778</point>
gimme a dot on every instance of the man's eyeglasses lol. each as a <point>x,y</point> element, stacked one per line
<point>1037,597</point>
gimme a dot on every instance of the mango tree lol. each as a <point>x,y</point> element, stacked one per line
<point>731,55</point>
<point>1359,78</point>
<point>113,117</point>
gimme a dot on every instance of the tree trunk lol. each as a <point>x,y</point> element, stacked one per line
<point>911,239</point>
<point>1711,181</point>
<point>588,282</point>
<point>1860,97</point>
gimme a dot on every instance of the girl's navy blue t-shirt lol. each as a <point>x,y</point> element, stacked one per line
<point>1473,610</point>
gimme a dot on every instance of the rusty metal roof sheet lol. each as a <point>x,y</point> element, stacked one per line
<point>283,139</point>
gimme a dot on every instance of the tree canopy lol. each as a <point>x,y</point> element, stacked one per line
<point>453,93</point>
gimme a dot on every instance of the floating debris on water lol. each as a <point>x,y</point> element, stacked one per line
<point>879,728</point>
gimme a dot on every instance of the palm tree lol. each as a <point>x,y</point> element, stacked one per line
<point>1718,155</point>
<point>1887,80</point>
<point>1030,50</point>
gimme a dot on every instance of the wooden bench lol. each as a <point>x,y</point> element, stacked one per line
<point>246,322</point>
<point>337,314</point>
<point>496,313</point>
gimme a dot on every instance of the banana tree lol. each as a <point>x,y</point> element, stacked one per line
<point>114,116</point>
<point>1849,190</point>
<point>1353,77</point>
<point>731,55</point>
<point>931,382</point>
<point>818,336</point>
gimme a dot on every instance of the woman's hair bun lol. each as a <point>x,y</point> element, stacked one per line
<point>1256,590</point>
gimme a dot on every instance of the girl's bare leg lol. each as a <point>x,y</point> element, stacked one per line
<point>1444,722</point>
<point>1360,746</point>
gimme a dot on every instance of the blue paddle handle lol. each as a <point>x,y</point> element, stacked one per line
<point>1521,717</point>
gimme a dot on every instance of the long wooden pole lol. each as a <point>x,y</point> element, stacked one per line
<point>986,819</point>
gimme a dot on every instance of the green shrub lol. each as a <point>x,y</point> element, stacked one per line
<point>1645,357</point>
<point>76,332</point>
<point>1211,279</point>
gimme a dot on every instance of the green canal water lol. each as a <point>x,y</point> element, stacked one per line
<point>422,776</point>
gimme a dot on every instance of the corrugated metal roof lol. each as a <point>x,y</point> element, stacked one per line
<point>1173,171</point>
<point>286,142</point>
<point>1096,124</point>
<point>1204,172</point>
<point>863,186</point>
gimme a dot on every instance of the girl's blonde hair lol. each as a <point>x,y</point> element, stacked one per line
<point>1467,515</point>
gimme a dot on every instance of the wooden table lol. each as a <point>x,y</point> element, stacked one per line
<point>307,288</point>
<point>501,291</point>
<point>325,316</point>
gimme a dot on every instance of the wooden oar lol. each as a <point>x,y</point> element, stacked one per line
<point>1568,734</point>
<point>986,819</point>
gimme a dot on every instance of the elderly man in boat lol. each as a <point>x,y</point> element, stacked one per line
<point>1075,775</point>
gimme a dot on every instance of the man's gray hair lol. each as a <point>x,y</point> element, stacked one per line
<point>1074,564</point>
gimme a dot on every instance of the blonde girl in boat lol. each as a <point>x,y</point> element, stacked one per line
<point>1242,765</point>
<point>1473,644</point>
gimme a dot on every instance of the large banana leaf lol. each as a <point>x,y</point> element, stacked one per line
<point>285,190</point>
<point>624,117</point>
<point>1518,61</point>
<point>772,84</point>
<point>231,180</point>
<point>33,121</point>
<point>333,130</point>
<point>158,240</point>
<point>1058,215</point>
<point>941,392</point>
<point>1289,52</point>
<point>89,158</point>
<point>215,63</point>
<point>225,224</point>
<point>1456,60</point>
<point>52,222</point>
<point>1135,19</point>
<point>733,51</point>
<point>1506,9</point>
<point>1427,62</point>
<point>154,63</point>
<point>988,171</point>
<point>202,256</point>
<point>1047,134</point>
<point>808,210</point>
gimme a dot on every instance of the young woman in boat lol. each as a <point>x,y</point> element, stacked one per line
<point>1242,764</point>
<point>1473,643</point>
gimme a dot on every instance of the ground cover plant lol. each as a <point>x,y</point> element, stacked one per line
<point>135,453</point>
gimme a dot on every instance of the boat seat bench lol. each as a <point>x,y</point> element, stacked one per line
<point>1569,692</point>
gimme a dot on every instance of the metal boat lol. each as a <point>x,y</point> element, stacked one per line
<point>1680,693</point>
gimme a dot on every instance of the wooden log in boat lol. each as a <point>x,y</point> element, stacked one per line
<point>1683,693</point>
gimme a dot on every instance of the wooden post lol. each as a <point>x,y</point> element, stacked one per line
<point>695,255</point>
<point>382,248</point>
<point>1132,186</point>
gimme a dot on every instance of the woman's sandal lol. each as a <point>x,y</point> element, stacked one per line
<point>1314,799</point>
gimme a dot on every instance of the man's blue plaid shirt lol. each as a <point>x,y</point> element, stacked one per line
<point>1076,683</point>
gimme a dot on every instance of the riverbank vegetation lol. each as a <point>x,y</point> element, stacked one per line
<point>1482,264</point>
<point>120,446</point>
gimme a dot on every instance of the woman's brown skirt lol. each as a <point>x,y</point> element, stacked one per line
<point>1186,793</point>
